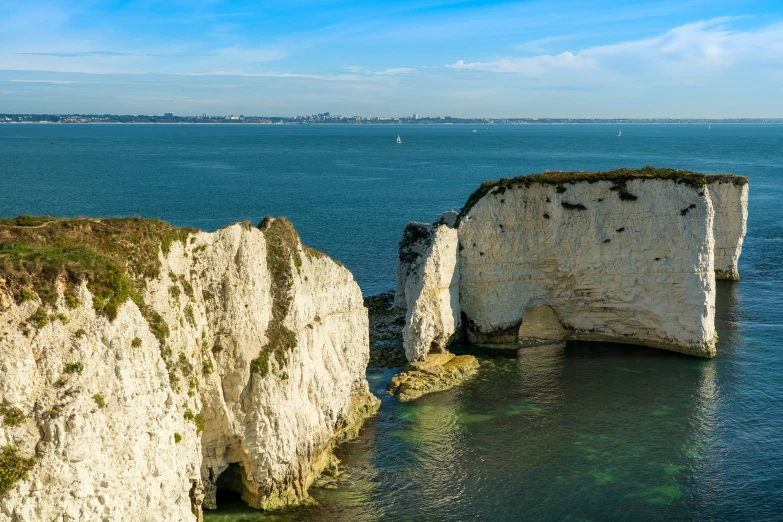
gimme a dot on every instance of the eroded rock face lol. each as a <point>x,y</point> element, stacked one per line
<point>432,294</point>
<point>176,414</point>
<point>626,256</point>
<point>730,201</point>
<point>638,271</point>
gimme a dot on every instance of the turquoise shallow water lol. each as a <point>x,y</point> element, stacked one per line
<point>585,431</point>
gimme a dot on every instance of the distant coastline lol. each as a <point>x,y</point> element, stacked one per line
<point>327,119</point>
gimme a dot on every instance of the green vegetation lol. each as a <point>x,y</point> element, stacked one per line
<point>76,367</point>
<point>282,247</point>
<point>619,177</point>
<point>13,468</point>
<point>39,319</point>
<point>114,257</point>
<point>136,342</point>
<point>207,368</point>
<point>174,292</point>
<point>207,295</point>
<point>197,419</point>
<point>80,333</point>
<point>99,400</point>
<point>189,315</point>
<point>12,416</point>
<point>71,299</point>
<point>738,181</point>
<point>177,438</point>
<point>186,286</point>
<point>25,294</point>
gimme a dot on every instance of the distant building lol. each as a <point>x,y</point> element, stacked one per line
<point>168,114</point>
<point>417,116</point>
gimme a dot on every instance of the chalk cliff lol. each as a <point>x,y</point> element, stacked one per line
<point>230,359</point>
<point>622,256</point>
<point>729,195</point>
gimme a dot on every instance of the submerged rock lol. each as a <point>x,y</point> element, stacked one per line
<point>437,372</point>
<point>147,361</point>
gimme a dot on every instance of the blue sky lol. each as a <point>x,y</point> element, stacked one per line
<point>685,58</point>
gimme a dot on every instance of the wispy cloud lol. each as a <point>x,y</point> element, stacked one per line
<point>688,54</point>
<point>52,82</point>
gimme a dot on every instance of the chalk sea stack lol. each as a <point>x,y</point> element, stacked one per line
<point>626,256</point>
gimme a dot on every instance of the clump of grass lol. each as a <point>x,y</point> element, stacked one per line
<point>196,419</point>
<point>39,319</point>
<point>186,286</point>
<point>207,295</point>
<point>207,368</point>
<point>13,468</point>
<point>114,256</point>
<point>76,367</point>
<point>80,333</point>
<point>174,292</point>
<point>136,342</point>
<point>282,251</point>
<point>177,438</point>
<point>25,294</point>
<point>189,316</point>
<point>71,299</point>
<point>12,416</point>
<point>99,400</point>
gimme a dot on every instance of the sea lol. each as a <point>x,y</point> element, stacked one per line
<point>574,432</point>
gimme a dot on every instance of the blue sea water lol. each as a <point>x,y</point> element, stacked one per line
<point>585,431</point>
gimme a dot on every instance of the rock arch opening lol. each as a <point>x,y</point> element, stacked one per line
<point>540,325</point>
<point>229,487</point>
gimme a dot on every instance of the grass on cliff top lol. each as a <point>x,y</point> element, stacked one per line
<point>114,256</point>
<point>619,177</point>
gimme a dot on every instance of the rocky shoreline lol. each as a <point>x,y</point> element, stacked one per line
<point>437,372</point>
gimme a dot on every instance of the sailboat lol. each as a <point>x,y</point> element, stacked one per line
<point>398,140</point>
<point>620,133</point>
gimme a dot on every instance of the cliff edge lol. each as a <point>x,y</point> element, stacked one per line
<point>146,366</point>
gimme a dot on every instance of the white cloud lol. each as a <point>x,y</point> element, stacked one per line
<point>395,70</point>
<point>689,54</point>
<point>53,82</point>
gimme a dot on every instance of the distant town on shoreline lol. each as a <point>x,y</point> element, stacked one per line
<point>327,118</point>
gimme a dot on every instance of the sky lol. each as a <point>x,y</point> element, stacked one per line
<point>471,58</point>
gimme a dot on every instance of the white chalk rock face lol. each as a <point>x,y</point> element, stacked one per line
<point>432,295</point>
<point>416,240</point>
<point>629,264</point>
<point>729,197</point>
<point>180,417</point>
<point>625,256</point>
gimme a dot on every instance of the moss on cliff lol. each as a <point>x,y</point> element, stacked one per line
<point>115,256</point>
<point>282,256</point>
<point>619,177</point>
<point>13,468</point>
